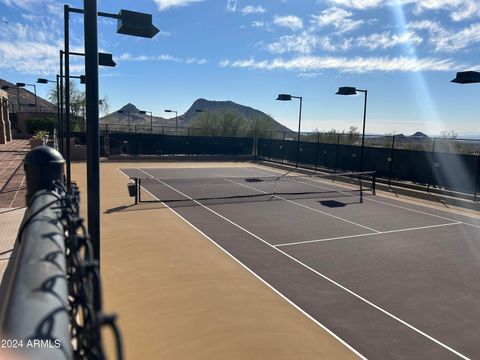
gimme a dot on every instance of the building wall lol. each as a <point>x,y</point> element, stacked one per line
<point>5,126</point>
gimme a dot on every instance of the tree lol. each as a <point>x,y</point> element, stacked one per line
<point>77,100</point>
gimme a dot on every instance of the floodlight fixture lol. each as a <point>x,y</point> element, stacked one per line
<point>284,97</point>
<point>288,97</point>
<point>346,90</point>
<point>350,90</point>
<point>106,59</point>
<point>136,24</point>
<point>42,81</point>
<point>467,77</point>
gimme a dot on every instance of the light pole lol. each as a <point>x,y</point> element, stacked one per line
<point>6,87</point>
<point>59,95</point>
<point>288,97</point>
<point>128,23</point>
<point>151,118</point>
<point>470,77</point>
<point>19,84</point>
<point>348,90</point>
<point>176,119</point>
<point>128,116</point>
<point>103,59</point>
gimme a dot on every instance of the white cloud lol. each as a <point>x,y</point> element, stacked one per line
<point>459,9</point>
<point>444,40</point>
<point>249,9</point>
<point>303,43</point>
<point>232,5</point>
<point>289,21</point>
<point>386,40</point>
<point>161,57</point>
<point>167,4</point>
<point>349,65</point>
<point>340,19</point>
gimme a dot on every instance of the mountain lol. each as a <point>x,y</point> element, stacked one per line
<point>420,135</point>
<point>131,113</point>
<point>26,100</point>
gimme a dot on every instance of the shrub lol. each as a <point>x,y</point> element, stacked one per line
<point>33,125</point>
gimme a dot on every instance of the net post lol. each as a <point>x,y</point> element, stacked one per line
<point>374,182</point>
<point>390,167</point>
<point>136,190</point>
<point>361,187</point>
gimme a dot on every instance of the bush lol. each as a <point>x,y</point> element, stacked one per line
<point>33,125</point>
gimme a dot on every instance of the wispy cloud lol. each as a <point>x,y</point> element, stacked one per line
<point>340,19</point>
<point>161,57</point>
<point>458,9</point>
<point>444,40</point>
<point>386,40</point>
<point>289,21</point>
<point>246,10</point>
<point>305,64</point>
<point>167,4</point>
<point>250,9</point>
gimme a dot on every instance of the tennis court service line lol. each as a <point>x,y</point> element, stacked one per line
<point>303,312</point>
<point>368,234</point>
<point>379,201</point>
<point>351,292</point>
<point>311,208</point>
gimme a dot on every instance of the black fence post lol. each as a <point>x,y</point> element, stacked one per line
<point>270,147</point>
<point>283,146</point>
<point>316,152</point>
<point>336,153</point>
<point>390,166</point>
<point>477,177</point>
<point>432,158</point>
<point>43,165</point>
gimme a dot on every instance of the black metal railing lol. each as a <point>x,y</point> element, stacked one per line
<point>52,300</point>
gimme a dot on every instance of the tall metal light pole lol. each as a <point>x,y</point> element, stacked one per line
<point>470,77</point>
<point>129,23</point>
<point>151,118</point>
<point>176,119</point>
<point>288,97</point>
<point>348,90</point>
<point>19,84</point>
<point>128,116</point>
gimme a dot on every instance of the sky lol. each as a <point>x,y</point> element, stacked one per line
<point>404,52</point>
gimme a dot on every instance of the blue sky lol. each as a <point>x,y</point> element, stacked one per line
<point>404,52</point>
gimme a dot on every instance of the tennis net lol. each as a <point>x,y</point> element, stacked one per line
<point>257,188</point>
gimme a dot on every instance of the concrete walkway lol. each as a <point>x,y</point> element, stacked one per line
<point>12,196</point>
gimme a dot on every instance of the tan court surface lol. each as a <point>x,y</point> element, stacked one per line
<point>179,296</point>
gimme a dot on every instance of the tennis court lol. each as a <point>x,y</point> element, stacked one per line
<point>392,280</point>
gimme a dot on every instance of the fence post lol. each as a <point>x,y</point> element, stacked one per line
<point>432,158</point>
<point>316,153</point>
<point>270,147</point>
<point>477,178</point>
<point>255,144</point>
<point>43,165</point>
<point>390,166</point>
<point>336,153</point>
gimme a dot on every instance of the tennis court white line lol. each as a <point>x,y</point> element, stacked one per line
<point>310,208</point>
<point>368,234</point>
<point>351,292</point>
<point>335,336</point>
<point>379,201</point>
